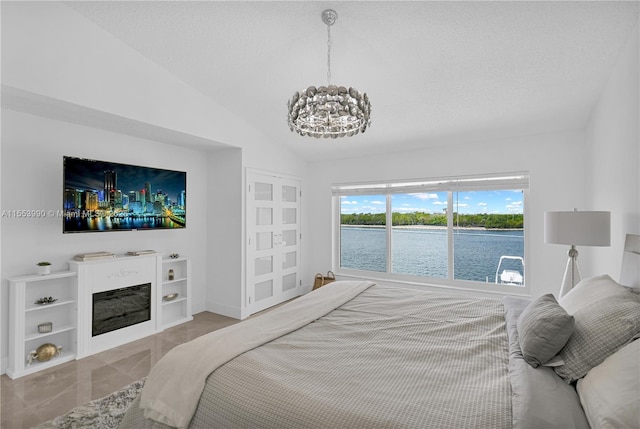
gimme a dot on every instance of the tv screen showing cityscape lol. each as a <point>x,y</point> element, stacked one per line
<point>107,196</point>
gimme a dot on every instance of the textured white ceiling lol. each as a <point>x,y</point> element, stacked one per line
<point>436,72</point>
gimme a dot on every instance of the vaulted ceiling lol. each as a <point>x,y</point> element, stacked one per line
<point>436,72</point>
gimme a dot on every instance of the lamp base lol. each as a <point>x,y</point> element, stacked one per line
<point>572,274</point>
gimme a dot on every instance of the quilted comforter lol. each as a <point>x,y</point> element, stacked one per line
<point>389,357</point>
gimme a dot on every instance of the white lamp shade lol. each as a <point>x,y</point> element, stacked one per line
<point>591,228</point>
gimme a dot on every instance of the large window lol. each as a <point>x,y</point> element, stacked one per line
<point>419,234</point>
<point>363,233</point>
<point>450,231</point>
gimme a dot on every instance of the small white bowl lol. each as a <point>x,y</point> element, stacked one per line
<point>170,297</point>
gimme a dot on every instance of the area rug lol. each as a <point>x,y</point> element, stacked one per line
<point>103,413</point>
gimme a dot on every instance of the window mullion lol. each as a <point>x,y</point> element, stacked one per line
<point>389,230</point>
<point>450,235</point>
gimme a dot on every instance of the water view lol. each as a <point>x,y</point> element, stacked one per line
<point>423,251</point>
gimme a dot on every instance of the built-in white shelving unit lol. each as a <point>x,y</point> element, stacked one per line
<point>177,310</point>
<point>25,316</point>
<point>70,315</point>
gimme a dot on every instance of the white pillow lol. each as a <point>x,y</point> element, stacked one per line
<point>610,392</point>
<point>587,292</point>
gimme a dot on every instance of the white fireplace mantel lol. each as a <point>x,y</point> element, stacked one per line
<point>110,274</point>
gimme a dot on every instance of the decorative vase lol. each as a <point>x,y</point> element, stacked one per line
<point>171,275</point>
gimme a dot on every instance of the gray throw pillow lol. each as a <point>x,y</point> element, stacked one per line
<point>602,327</point>
<point>543,329</point>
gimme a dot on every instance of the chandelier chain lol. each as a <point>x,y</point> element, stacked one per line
<point>328,54</point>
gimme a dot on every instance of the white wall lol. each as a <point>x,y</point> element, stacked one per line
<point>31,176</point>
<point>553,161</point>
<point>2,323</point>
<point>225,204</point>
<point>59,65</point>
<point>51,50</point>
<point>613,159</point>
<point>594,169</point>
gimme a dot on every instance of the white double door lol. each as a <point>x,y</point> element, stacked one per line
<point>273,239</point>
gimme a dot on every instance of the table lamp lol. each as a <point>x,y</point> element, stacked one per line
<point>575,228</point>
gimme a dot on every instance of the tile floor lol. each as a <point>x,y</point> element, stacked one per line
<point>36,398</point>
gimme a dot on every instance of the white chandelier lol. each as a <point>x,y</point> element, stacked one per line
<point>329,111</point>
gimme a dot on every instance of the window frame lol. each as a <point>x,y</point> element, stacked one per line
<point>487,182</point>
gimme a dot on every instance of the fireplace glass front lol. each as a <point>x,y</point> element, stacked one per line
<point>119,308</point>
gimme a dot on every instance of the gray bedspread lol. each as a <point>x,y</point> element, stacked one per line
<point>389,358</point>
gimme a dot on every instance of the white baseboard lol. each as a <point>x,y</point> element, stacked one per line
<point>224,310</point>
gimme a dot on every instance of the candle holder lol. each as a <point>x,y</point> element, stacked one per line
<point>45,327</point>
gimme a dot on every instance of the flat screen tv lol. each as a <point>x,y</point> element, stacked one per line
<point>107,196</point>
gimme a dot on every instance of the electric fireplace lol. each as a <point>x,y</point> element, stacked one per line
<point>119,308</point>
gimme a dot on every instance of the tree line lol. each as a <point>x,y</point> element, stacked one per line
<point>480,220</point>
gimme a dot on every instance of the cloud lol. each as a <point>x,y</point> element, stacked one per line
<point>348,202</point>
<point>483,204</point>
<point>370,209</point>
<point>440,203</point>
<point>515,207</point>
<point>379,202</point>
<point>425,196</point>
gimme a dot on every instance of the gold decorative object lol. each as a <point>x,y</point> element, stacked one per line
<point>44,353</point>
<point>171,275</point>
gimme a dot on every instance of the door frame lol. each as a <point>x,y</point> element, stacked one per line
<point>253,307</point>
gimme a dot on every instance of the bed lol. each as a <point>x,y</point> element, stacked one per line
<point>359,355</point>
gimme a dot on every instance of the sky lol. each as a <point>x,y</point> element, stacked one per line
<point>470,202</point>
<point>89,175</point>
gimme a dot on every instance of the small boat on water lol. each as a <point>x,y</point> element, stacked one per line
<point>510,276</point>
